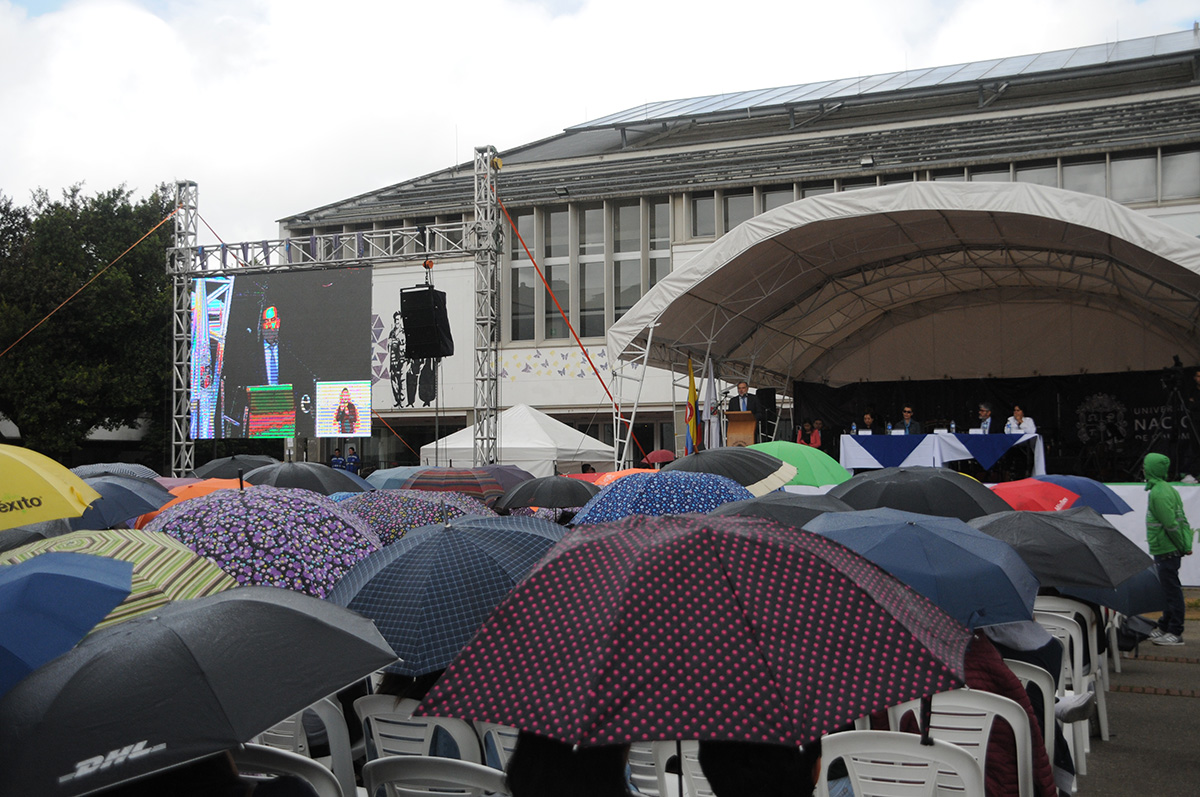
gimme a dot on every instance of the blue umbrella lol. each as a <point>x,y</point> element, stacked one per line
<point>672,492</point>
<point>960,569</point>
<point>122,498</point>
<point>393,478</point>
<point>1097,495</point>
<point>52,601</point>
<point>1139,594</point>
<point>429,592</point>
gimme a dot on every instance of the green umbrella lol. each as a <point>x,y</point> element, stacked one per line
<point>813,466</point>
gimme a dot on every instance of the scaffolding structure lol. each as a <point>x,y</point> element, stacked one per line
<point>480,238</point>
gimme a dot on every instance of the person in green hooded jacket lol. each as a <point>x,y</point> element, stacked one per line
<point>1170,539</point>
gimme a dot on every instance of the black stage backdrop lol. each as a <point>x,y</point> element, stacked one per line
<point>1097,425</point>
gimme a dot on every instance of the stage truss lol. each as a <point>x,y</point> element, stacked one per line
<point>479,238</point>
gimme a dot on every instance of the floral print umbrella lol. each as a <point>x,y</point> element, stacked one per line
<point>272,536</point>
<point>661,493</point>
<point>460,501</point>
<point>690,627</point>
<point>391,514</point>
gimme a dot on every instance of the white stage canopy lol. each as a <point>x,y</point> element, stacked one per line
<point>928,280</point>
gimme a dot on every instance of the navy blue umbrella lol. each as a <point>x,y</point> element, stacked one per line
<point>52,601</point>
<point>1140,594</point>
<point>964,571</point>
<point>122,498</point>
<point>429,592</point>
<point>1098,495</point>
<point>663,493</point>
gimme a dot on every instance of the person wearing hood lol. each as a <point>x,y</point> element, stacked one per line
<point>1170,539</point>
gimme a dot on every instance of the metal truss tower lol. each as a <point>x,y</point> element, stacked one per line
<point>180,264</point>
<point>481,238</point>
<point>486,237</point>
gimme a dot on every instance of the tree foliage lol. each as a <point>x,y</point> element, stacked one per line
<point>103,359</point>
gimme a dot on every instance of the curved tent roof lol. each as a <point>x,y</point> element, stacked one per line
<point>929,280</point>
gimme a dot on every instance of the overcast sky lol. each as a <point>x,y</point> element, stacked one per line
<point>277,106</point>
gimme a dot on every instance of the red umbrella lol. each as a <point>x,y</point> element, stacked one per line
<point>690,627</point>
<point>658,456</point>
<point>1036,495</point>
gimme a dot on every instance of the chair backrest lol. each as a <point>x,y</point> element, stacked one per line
<point>420,776</point>
<point>1070,634</point>
<point>693,776</point>
<point>498,742</point>
<point>392,730</point>
<point>888,764</point>
<point>254,758</point>
<point>647,766</point>
<point>964,717</point>
<point>289,735</point>
<point>1070,607</point>
<point>1032,674</point>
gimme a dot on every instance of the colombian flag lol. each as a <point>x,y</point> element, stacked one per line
<point>689,414</point>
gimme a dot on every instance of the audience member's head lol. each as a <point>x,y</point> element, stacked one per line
<point>541,767</point>
<point>754,769</point>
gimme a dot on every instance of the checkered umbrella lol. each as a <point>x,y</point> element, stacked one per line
<point>272,536</point>
<point>429,592</point>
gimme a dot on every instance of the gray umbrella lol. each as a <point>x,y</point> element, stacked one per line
<point>313,476</point>
<point>228,467</point>
<point>194,678</point>
<point>1076,547</point>
<point>556,492</point>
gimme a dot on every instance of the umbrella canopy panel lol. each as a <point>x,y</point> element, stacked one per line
<point>926,491</point>
<point>36,488</point>
<point>758,472</point>
<point>661,493</point>
<point>885,283</point>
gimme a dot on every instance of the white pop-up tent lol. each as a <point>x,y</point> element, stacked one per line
<point>529,439</point>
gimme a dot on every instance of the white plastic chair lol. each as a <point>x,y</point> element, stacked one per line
<point>689,761</point>
<point>1070,635</point>
<point>254,759</point>
<point>964,718</point>
<point>1097,670</point>
<point>392,730</point>
<point>1030,673</point>
<point>889,764</point>
<point>289,735</point>
<point>503,739</point>
<point>420,776</point>
<point>647,766</point>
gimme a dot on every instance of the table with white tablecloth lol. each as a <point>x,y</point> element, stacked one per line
<point>887,451</point>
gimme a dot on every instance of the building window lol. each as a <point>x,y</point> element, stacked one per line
<point>991,174</point>
<point>627,255</point>
<point>521,306</point>
<point>853,184</point>
<point>948,175</point>
<point>774,197</point>
<point>557,267</point>
<point>739,207</point>
<point>1043,173</point>
<point>1180,174</point>
<point>1135,177</point>
<point>816,189</point>
<point>659,232</point>
<point>591,271</point>
<point>1086,177</point>
<point>901,177</point>
<point>704,216</point>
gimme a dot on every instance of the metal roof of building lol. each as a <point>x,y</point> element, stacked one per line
<point>1015,68</point>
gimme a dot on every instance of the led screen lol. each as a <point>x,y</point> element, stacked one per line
<point>262,343</point>
<point>343,409</point>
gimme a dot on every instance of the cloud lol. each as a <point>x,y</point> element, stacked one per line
<point>277,106</point>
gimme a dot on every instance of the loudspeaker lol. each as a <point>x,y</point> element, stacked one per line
<point>426,325</point>
<point>766,400</point>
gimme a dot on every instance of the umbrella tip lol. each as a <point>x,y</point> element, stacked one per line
<point>241,484</point>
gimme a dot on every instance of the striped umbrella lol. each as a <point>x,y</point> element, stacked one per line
<point>164,569</point>
<point>475,482</point>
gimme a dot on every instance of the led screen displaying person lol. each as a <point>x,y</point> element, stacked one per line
<point>347,414</point>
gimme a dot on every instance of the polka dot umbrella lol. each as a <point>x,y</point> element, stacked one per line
<point>272,536</point>
<point>690,627</point>
<point>661,493</point>
<point>391,515</point>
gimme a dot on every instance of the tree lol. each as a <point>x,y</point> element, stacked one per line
<point>103,359</point>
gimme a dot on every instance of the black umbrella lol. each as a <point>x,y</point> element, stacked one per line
<point>928,491</point>
<point>791,509</point>
<point>555,492</point>
<point>313,476</point>
<point>228,467</point>
<point>509,476</point>
<point>122,498</point>
<point>1075,547</point>
<point>1141,594</point>
<point>194,678</point>
<point>758,472</point>
<point>23,535</point>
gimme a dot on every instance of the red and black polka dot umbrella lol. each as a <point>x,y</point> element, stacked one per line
<point>686,627</point>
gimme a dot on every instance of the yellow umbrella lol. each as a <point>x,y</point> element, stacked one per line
<point>34,487</point>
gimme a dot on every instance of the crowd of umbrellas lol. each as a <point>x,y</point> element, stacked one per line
<point>151,620</point>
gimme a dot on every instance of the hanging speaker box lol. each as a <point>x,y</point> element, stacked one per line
<point>426,325</point>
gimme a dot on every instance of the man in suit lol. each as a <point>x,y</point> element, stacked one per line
<point>987,423</point>
<point>744,402</point>
<point>907,422</point>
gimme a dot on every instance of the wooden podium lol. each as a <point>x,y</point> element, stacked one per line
<point>739,430</point>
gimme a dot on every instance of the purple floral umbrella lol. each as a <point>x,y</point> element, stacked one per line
<point>462,501</point>
<point>272,536</point>
<point>391,515</point>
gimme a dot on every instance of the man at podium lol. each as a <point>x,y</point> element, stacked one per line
<point>741,403</point>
